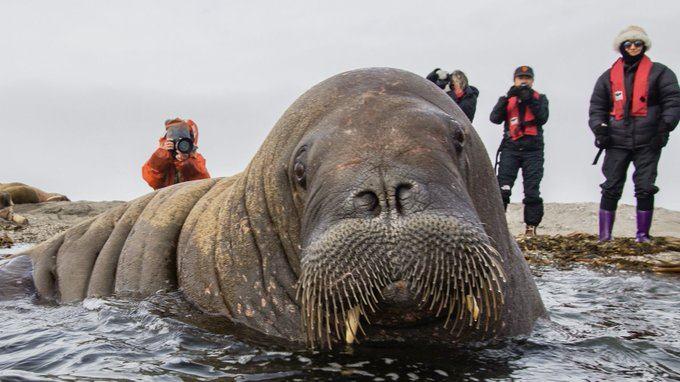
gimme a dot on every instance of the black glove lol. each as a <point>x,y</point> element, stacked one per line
<point>526,94</point>
<point>513,91</point>
<point>660,139</point>
<point>436,77</point>
<point>603,141</point>
<point>433,75</point>
<point>602,138</point>
<point>601,129</point>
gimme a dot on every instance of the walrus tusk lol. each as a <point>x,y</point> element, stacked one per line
<point>472,306</point>
<point>351,324</point>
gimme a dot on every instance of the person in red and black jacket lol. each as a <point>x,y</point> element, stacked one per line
<point>634,107</point>
<point>523,112</point>
<point>167,165</point>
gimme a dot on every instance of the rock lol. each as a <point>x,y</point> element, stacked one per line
<point>660,255</point>
<point>664,262</point>
<point>49,219</point>
<point>5,240</point>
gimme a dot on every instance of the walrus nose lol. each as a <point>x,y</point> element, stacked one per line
<point>376,200</point>
<point>398,294</point>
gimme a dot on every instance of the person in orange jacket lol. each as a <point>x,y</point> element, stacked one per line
<point>175,160</point>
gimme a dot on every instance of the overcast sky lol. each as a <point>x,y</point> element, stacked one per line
<point>86,85</point>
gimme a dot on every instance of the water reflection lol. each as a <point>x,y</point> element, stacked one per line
<point>17,248</point>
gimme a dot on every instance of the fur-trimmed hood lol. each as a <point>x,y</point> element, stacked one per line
<point>632,33</point>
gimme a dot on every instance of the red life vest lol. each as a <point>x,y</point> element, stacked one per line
<point>515,128</point>
<point>638,107</point>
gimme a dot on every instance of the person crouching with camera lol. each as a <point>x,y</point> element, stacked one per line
<point>523,111</point>
<point>176,159</point>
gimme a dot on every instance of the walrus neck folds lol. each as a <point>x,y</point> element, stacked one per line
<point>254,277</point>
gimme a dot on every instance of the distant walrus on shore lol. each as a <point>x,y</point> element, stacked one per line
<point>22,194</point>
<point>371,213</point>
<point>7,210</point>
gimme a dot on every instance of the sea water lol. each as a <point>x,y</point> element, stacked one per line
<point>605,325</point>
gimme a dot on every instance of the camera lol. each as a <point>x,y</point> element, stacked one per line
<point>184,145</point>
<point>524,91</point>
<point>181,138</point>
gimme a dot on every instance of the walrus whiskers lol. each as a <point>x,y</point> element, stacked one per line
<point>458,273</point>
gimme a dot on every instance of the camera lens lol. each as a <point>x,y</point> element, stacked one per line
<point>185,146</point>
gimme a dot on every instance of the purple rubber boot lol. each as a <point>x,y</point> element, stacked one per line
<point>606,224</point>
<point>644,222</point>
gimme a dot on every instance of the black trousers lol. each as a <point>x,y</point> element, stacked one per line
<point>531,163</point>
<point>615,168</point>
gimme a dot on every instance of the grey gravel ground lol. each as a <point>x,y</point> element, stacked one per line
<point>48,219</point>
<point>564,218</point>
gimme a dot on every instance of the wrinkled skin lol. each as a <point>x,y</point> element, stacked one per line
<point>372,182</point>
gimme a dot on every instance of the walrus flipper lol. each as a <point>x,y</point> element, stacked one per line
<point>148,259</point>
<point>15,277</point>
<point>128,250</point>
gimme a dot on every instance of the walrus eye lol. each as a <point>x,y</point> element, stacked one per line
<point>458,139</point>
<point>299,171</point>
<point>300,168</point>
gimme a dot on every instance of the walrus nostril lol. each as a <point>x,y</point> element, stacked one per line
<point>367,201</point>
<point>402,195</point>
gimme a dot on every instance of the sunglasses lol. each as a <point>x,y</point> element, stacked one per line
<point>637,43</point>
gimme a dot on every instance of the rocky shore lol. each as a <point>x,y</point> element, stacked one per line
<point>566,237</point>
<point>48,219</point>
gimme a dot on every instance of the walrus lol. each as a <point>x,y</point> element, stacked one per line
<point>22,194</point>
<point>7,210</point>
<point>370,213</point>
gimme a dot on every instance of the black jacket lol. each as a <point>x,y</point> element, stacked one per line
<point>468,102</point>
<point>539,107</point>
<point>663,104</point>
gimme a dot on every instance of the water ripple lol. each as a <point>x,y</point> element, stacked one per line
<point>604,326</point>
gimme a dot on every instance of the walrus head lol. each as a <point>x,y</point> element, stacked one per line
<point>390,235</point>
<point>372,205</point>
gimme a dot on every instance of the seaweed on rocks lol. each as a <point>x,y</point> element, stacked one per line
<point>661,255</point>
